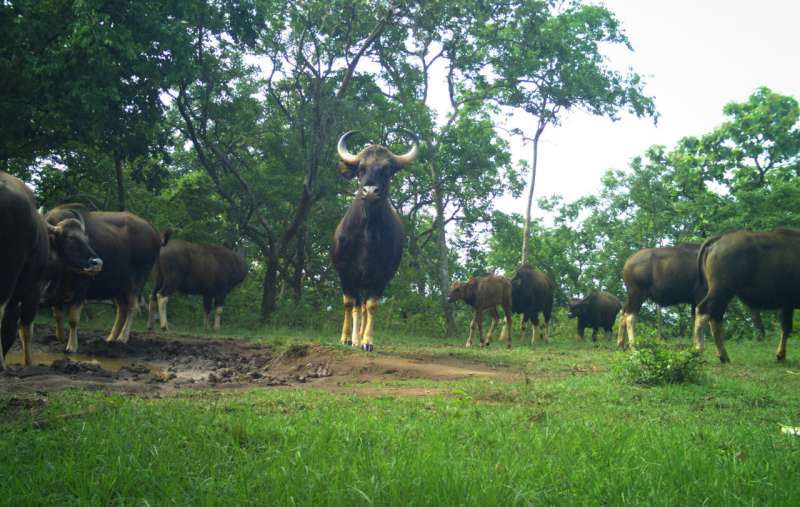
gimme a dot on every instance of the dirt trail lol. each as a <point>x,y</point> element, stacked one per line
<point>152,363</point>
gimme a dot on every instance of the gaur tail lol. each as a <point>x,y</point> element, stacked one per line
<point>165,236</point>
<point>701,259</point>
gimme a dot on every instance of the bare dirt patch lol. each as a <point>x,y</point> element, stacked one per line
<point>152,363</point>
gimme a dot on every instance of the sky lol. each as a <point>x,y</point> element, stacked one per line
<point>695,57</point>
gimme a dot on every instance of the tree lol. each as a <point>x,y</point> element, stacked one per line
<point>548,61</point>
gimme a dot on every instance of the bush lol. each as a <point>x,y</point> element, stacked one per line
<point>652,363</point>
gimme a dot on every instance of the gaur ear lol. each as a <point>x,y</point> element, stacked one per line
<point>347,171</point>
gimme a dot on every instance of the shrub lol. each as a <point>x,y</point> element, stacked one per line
<point>652,363</point>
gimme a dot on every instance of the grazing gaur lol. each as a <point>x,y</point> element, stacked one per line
<point>485,293</point>
<point>211,271</point>
<point>32,248</point>
<point>368,242</point>
<point>667,275</point>
<point>532,293</point>
<point>598,310</point>
<point>760,268</point>
<point>129,248</point>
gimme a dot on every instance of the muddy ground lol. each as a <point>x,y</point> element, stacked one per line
<point>152,363</point>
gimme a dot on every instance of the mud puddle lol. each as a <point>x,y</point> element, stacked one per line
<point>153,363</point>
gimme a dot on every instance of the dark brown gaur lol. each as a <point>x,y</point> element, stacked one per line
<point>485,293</point>
<point>596,311</point>
<point>129,247</point>
<point>532,294</point>
<point>32,249</point>
<point>760,268</point>
<point>368,242</point>
<point>211,271</point>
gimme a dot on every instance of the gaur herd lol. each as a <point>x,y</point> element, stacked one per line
<point>72,254</point>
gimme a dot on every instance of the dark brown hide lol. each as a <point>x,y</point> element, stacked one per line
<point>211,271</point>
<point>531,294</point>
<point>129,247</point>
<point>598,310</point>
<point>368,242</point>
<point>26,257</point>
<point>760,268</point>
<point>485,293</point>
<point>666,275</point>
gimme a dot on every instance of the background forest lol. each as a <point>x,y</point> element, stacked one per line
<point>220,118</point>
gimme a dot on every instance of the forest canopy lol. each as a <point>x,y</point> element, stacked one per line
<point>219,119</point>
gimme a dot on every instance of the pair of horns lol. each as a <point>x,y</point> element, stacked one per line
<point>350,159</point>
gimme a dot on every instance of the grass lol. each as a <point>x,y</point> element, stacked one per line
<point>560,431</point>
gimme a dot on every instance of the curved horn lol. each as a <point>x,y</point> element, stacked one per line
<point>347,157</point>
<point>410,156</point>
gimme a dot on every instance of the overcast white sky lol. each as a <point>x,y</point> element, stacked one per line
<point>696,56</point>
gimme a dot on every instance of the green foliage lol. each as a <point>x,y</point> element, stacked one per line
<point>653,363</point>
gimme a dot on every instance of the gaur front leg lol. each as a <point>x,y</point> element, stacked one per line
<point>218,318</point>
<point>630,324</point>
<point>151,314</point>
<point>472,326</point>
<point>74,316</point>
<point>58,316</point>
<point>347,325</point>
<point>581,330</point>
<point>355,335</point>
<point>370,308</point>
<point>621,332</point>
<point>130,314</point>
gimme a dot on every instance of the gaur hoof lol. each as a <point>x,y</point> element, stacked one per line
<point>367,347</point>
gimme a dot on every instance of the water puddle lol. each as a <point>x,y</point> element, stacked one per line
<point>106,363</point>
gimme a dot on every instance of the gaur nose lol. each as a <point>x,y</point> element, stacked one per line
<point>96,263</point>
<point>369,192</point>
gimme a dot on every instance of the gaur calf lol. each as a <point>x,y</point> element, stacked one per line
<point>485,293</point>
<point>532,294</point>
<point>760,268</point>
<point>32,251</point>
<point>368,242</point>
<point>598,310</point>
<point>211,271</point>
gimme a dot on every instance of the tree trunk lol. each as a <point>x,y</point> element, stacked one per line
<point>527,226</point>
<point>413,250</point>
<point>270,286</point>
<point>299,264</point>
<point>120,182</point>
<point>441,241</point>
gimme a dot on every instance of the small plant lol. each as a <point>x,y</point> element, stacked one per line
<point>652,363</point>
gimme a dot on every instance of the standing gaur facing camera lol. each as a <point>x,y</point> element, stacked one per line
<point>598,310</point>
<point>368,242</point>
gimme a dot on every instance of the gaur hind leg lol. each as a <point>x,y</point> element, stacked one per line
<point>786,330</point>
<point>355,335</point>
<point>119,321</point>
<point>151,314</point>
<point>535,334</point>
<point>627,319</point>
<point>74,318</point>
<point>711,310</point>
<point>368,311</point>
<point>545,330</point>
<point>27,314</point>
<point>58,316</point>
<point>349,303</point>
<point>3,332</point>
<point>130,315</point>
<point>495,316</point>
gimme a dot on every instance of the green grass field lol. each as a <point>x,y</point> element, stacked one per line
<point>557,429</point>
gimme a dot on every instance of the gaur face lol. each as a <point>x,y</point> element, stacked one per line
<point>456,292</point>
<point>71,245</point>
<point>575,308</point>
<point>374,167</point>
